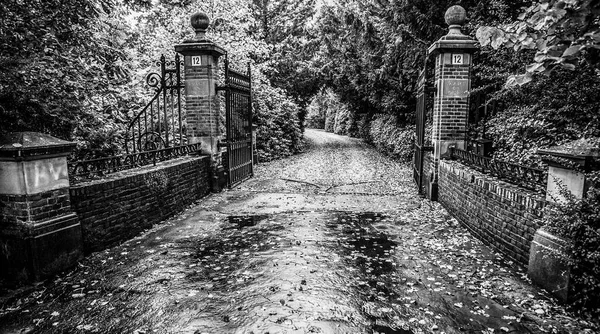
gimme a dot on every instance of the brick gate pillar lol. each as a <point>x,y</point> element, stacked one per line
<point>203,117</point>
<point>453,60</point>
<point>40,234</point>
<point>201,58</point>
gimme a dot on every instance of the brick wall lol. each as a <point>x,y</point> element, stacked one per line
<point>118,208</point>
<point>499,213</point>
<point>15,209</point>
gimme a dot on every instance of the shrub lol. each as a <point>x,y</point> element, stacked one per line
<point>551,110</point>
<point>315,118</point>
<point>578,220</point>
<point>278,134</point>
<point>390,139</point>
<point>341,121</point>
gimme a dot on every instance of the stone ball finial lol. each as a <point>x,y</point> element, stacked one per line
<point>200,22</point>
<point>455,17</point>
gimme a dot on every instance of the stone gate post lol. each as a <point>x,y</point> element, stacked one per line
<point>453,60</point>
<point>567,168</point>
<point>201,58</point>
<point>40,235</point>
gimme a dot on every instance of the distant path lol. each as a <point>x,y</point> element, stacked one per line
<point>334,164</point>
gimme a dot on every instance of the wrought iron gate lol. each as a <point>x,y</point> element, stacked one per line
<point>238,110</point>
<point>159,124</point>
<point>420,145</point>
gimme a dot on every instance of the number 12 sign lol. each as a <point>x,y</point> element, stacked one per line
<point>196,61</point>
<point>457,59</point>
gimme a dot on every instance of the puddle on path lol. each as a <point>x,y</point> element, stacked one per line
<point>322,273</point>
<point>369,249</point>
<point>245,221</point>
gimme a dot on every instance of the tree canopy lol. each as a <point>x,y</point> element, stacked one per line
<point>562,33</point>
<point>76,69</point>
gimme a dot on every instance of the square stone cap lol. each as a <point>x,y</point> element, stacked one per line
<point>584,152</point>
<point>197,48</point>
<point>29,143</point>
<point>453,43</point>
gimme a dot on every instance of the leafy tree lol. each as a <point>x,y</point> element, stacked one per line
<point>562,33</point>
<point>284,26</point>
<point>61,68</point>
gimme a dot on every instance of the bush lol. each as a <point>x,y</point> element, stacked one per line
<point>578,220</point>
<point>392,140</point>
<point>278,134</point>
<point>549,111</point>
<point>342,121</point>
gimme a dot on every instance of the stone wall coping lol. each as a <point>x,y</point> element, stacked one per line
<point>504,189</point>
<point>137,171</point>
<point>28,144</point>
<point>581,152</point>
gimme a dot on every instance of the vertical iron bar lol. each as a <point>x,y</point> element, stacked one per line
<point>250,118</point>
<point>152,113</point>
<point>178,70</point>
<point>228,119</point>
<point>164,88</point>
<point>173,123</point>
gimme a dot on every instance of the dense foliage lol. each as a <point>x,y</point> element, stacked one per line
<point>391,139</point>
<point>578,220</point>
<point>327,112</point>
<point>526,124</point>
<point>63,67</point>
<point>76,69</point>
<point>371,53</point>
<point>278,128</point>
<point>563,34</point>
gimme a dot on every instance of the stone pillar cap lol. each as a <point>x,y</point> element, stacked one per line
<point>455,18</point>
<point>200,22</point>
<point>28,143</point>
<point>199,45</point>
<point>582,152</point>
<point>455,40</point>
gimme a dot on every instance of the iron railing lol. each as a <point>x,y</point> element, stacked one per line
<point>527,177</point>
<point>160,123</point>
<point>86,169</point>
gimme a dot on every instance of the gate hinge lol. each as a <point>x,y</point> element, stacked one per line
<point>222,87</point>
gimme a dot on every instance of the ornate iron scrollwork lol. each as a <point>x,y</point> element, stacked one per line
<point>160,123</point>
<point>86,169</point>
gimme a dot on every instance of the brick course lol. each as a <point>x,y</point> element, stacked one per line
<point>501,214</point>
<point>16,209</point>
<point>118,208</point>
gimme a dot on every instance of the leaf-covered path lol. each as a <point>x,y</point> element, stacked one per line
<point>333,240</point>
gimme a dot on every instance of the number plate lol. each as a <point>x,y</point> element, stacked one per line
<point>457,59</point>
<point>196,61</point>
